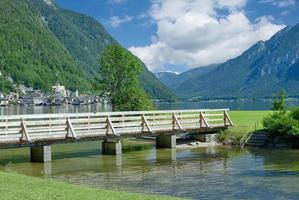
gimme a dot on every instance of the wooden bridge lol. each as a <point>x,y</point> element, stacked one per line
<point>39,131</point>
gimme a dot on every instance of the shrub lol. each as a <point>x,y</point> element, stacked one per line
<point>295,113</point>
<point>281,123</point>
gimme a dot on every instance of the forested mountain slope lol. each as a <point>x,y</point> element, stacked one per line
<point>41,43</point>
<point>262,70</point>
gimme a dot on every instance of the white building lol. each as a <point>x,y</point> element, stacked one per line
<point>59,89</point>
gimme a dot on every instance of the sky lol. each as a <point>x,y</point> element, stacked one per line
<point>178,35</point>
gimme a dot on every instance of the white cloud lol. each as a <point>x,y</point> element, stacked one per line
<point>191,33</point>
<point>280,3</point>
<point>116,21</point>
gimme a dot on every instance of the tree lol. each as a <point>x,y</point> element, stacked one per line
<point>119,81</point>
<point>279,103</point>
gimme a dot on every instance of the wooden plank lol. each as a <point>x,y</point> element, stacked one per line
<point>176,122</point>
<point>110,126</point>
<point>24,133</point>
<point>105,114</point>
<point>203,121</point>
<point>214,120</point>
<point>145,124</point>
<point>227,119</point>
<point>69,129</point>
<point>213,115</point>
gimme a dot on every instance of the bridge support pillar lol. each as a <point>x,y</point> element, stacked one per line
<point>166,141</point>
<point>111,147</point>
<point>41,154</point>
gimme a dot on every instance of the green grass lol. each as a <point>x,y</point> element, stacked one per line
<point>244,122</point>
<point>19,187</point>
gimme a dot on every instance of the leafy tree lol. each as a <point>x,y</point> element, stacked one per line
<point>119,81</point>
<point>279,103</point>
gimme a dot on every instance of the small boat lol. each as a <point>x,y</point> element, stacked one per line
<point>75,102</point>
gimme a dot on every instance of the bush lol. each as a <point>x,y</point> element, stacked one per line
<point>295,113</point>
<point>283,124</point>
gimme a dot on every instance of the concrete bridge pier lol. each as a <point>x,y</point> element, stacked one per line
<point>112,147</point>
<point>166,141</point>
<point>41,154</point>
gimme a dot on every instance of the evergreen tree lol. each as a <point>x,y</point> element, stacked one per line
<point>279,103</point>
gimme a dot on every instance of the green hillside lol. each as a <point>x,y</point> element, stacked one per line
<point>30,53</point>
<point>40,43</point>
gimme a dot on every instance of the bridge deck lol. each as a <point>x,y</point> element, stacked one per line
<point>30,129</point>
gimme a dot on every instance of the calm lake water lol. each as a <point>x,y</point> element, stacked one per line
<point>247,105</point>
<point>232,105</point>
<point>200,173</point>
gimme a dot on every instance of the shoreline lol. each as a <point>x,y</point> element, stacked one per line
<point>18,186</point>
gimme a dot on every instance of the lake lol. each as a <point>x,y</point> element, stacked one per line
<point>233,105</point>
<point>200,173</point>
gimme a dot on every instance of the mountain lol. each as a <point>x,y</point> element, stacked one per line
<point>262,70</point>
<point>168,78</point>
<point>173,80</point>
<point>32,55</point>
<point>41,42</point>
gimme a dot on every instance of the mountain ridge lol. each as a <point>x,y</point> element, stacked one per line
<point>260,71</point>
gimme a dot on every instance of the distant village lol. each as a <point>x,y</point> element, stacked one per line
<point>27,96</point>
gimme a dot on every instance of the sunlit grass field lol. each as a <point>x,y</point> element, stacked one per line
<point>244,122</point>
<point>20,187</point>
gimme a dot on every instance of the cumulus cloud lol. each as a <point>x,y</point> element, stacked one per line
<point>192,33</point>
<point>280,3</point>
<point>116,21</point>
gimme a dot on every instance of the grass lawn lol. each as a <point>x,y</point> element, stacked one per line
<point>244,121</point>
<point>20,187</point>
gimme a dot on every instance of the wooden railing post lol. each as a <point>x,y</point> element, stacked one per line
<point>203,120</point>
<point>200,119</point>
<point>70,133</point>
<point>224,118</point>
<point>144,124</point>
<point>109,126</point>
<point>24,132</point>
<point>227,119</point>
<point>175,122</point>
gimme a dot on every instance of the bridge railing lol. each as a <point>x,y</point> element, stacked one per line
<point>28,128</point>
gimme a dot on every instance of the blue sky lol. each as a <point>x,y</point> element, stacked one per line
<point>177,35</point>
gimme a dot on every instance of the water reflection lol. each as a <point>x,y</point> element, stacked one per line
<point>245,105</point>
<point>201,173</point>
<point>66,108</point>
<point>165,155</point>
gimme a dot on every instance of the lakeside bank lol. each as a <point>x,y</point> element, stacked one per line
<point>19,187</point>
<point>244,122</point>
